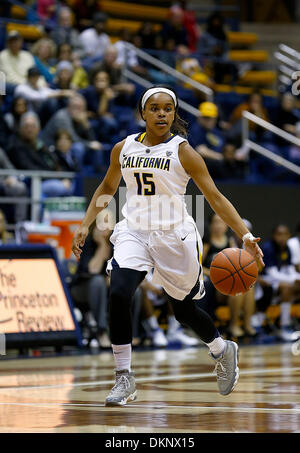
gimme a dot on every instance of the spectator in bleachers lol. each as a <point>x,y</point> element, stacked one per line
<point>46,10</point>
<point>215,239</point>
<point>204,135</point>
<point>95,40</point>
<point>213,43</point>
<point>190,23</point>
<point>64,32</point>
<point>173,30</point>
<point>84,11</point>
<point>100,103</point>
<point>288,120</point>
<point>89,287</point>
<point>231,167</point>
<point>79,75</point>
<point>44,51</point>
<point>254,105</point>
<point>128,57</point>
<point>63,76</point>
<point>146,36</point>
<point>286,117</point>
<point>5,236</point>
<point>154,295</point>
<point>281,275</point>
<point>14,61</point>
<point>294,245</point>
<point>109,64</point>
<point>19,106</point>
<point>5,131</point>
<point>28,152</point>
<point>74,119</point>
<point>243,304</point>
<point>12,186</point>
<point>63,151</point>
<point>35,94</point>
<point>62,90</point>
<point>191,67</point>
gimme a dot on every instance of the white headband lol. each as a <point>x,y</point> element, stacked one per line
<point>152,91</point>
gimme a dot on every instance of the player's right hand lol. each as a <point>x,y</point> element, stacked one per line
<point>79,239</point>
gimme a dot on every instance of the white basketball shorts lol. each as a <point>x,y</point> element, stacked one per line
<point>174,255</point>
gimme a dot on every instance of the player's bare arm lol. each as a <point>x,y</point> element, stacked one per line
<point>195,166</point>
<point>109,187</point>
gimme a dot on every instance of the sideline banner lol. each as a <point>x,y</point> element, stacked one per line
<point>32,298</point>
<point>35,306</point>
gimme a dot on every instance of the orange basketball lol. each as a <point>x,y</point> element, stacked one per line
<point>233,271</point>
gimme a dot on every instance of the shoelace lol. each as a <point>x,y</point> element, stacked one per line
<point>220,371</point>
<point>122,383</point>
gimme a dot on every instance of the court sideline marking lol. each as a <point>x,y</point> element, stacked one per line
<point>145,406</point>
<point>152,379</point>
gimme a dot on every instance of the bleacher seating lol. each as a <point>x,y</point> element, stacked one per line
<point>134,10</point>
<point>29,32</point>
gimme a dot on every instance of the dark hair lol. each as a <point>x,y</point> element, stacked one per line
<point>99,17</point>
<point>279,225</point>
<point>60,46</point>
<point>179,125</point>
<point>60,132</point>
<point>94,72</point>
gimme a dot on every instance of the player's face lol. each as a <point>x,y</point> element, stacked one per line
<point>281,235</point>
<point>159,113</point>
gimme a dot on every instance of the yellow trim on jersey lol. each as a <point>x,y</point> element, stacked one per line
<point>142,136</point>
<point>199,254</point>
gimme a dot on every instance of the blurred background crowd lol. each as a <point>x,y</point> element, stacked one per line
<point>74,72</point>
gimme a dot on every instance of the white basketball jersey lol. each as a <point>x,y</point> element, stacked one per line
<point>156,183</point>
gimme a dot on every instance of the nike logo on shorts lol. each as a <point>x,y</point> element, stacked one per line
<point>185,237</point>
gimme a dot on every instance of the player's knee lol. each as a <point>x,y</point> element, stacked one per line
<point>119,296</point>
<point>179,311</point>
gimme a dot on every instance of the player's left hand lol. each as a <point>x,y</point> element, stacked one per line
<point>253,248</point>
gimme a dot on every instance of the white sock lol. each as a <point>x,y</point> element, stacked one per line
<point>217,346</point>
<point>258,319</point>
<point>122,356</point>
<point>173,324</point>
<point>152,322</point>
<point>285,314</point>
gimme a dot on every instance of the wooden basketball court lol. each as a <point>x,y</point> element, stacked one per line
<point>176,393</point>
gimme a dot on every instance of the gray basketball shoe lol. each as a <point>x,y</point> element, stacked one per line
<point>226,368</point>
<point>124,389</point>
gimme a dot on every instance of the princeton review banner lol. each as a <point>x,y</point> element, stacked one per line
<point>35,306</point>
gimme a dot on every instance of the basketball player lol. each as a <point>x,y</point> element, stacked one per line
<point>156,166</point>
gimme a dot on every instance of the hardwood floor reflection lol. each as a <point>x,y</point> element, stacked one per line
<point>177,392</point>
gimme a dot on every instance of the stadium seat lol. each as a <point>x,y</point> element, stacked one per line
<point>115,25</point>
<point>243,90</point>
<point>17,12</point>
<point>29,32</point>
<point>134,10</point>
<point>241,38</point>
<point>248,55</point>
<point>258,77</point>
